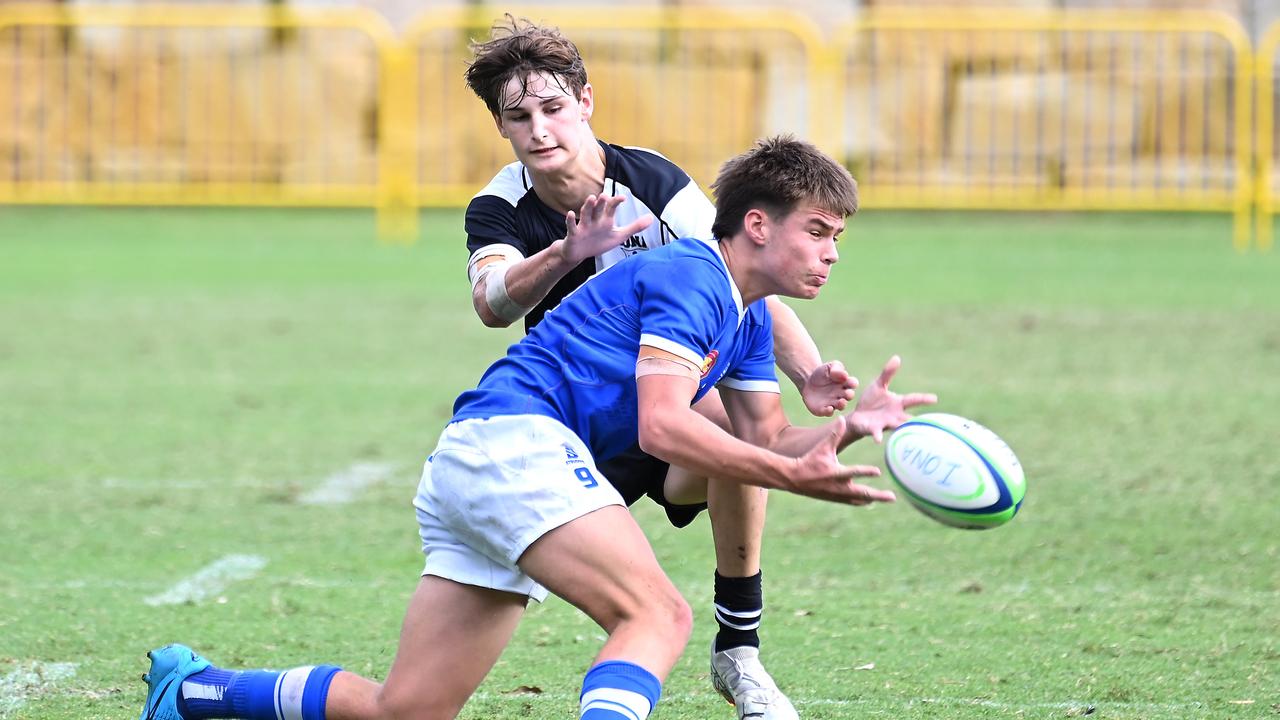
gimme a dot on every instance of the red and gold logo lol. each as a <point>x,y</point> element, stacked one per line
<point>709,362</point>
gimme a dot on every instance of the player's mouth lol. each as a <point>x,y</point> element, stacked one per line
<point>544,152</point>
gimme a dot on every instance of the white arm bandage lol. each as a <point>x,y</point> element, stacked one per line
<point>495,293</point>
<point>500,257</point>
<point>667,366</point>
<point>497,253</point>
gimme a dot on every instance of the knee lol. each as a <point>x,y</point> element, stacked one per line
<point>665,610</point>
<point>681,621</point>
<point>673,615</point>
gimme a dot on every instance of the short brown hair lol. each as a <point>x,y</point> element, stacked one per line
<point>776,175</point>
<point>519,48</point>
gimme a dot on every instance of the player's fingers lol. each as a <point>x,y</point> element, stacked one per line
<point>591,209</point>
<point>637,225</point>
<point>890,369</point>
<point>869,494</point>
<point>914,399</point>
<point>837,373</point>
<point>570,223</point>
<point>611,205</point>
<point>853,493</point>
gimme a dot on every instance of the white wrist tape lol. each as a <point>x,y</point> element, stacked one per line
<point>495,293</point>
<point>667,366</point>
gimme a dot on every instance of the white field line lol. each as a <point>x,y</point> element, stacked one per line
<point>28,681</point>
<point>210,580</point>
<point>115,483</point>
<point>345,486</point>
<point>564,698</point>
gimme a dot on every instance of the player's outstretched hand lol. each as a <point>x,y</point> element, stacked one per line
<point>818,474</point>
<point>881,409</point>
<point>828,389</point>
<point>591,232</point>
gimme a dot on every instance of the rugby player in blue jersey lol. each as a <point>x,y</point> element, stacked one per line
<point>522,263</point>
<point>512,503</point>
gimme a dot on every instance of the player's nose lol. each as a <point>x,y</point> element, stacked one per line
<point>830,255</point>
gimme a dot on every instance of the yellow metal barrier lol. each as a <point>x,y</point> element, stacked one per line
<point>1264,200</point>
<point>1022,110</point>
<point>193,105</point>
<point>1049,110</point>
<point>697,84</point>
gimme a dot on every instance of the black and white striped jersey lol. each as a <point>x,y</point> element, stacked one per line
<point>509,212</point>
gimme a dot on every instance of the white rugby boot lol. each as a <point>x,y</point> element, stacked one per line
<point>739,677</point>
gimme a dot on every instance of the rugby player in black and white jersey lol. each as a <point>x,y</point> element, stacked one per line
<point>533,81</point>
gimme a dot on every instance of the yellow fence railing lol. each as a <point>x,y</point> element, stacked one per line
<point>192,105</point>
<point>695,84</point>
<point>1066,110</point>
<point>1072,110</point>
<point>1265,200</point>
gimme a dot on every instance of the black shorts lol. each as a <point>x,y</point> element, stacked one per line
<point>636,473</point>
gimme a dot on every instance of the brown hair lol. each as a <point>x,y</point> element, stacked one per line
<point>776,175</point>
<point>518,48</point>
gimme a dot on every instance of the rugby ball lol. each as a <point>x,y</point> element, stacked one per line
<point>955,471</point>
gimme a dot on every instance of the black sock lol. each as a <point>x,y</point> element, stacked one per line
<point>739,603</point>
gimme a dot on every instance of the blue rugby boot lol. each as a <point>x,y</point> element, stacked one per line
<point>170,665</point>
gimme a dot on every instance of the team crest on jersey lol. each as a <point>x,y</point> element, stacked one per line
<point>709,362</point>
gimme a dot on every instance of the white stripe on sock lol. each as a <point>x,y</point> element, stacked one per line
<point>289,692</point>
<point>738,620</point>
<point>739,625</point>
<point>634,705</point>
<point>744,614</point>
<point>275,695</point>
<point>200,691</point>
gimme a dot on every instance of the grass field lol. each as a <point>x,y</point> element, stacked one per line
<point>178,384</point>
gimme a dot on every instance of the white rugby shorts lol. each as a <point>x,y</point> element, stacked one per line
<point>494,486</point>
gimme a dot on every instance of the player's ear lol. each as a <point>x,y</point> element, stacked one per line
<point>497,121</point>
<point>755,224</point>
<point>587,102</point>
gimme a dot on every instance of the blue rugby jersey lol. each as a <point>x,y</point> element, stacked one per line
<point>509,212</point>
<point>578,364</point>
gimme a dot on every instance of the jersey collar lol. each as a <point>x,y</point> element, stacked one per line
<point>737,294</point>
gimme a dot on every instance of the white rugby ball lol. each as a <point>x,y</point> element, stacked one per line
<point>956,471</point>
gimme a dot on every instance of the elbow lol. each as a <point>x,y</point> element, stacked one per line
<point>654,438</point>
<point>486,315</point>
<point>491,320</point>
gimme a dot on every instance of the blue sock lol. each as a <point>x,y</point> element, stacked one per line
<point>256,694</point>
<point>617,690</point>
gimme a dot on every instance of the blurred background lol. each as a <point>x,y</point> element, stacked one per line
<point>184,370</point>
<point>998,104</point>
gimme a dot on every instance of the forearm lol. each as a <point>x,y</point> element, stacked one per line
<point>794,349</point>
<point>794,441</point>
<point>688,440</point>
<point>527,282</point>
